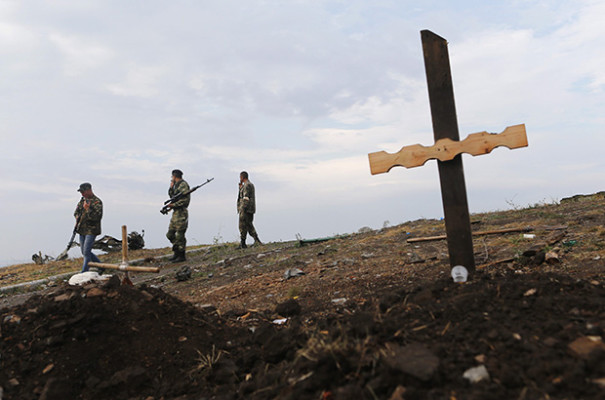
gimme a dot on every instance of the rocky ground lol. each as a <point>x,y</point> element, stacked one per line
<point>365,316</point>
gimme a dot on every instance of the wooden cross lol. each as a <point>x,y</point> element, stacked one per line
<point>447,150</point>
<point>123,266</point>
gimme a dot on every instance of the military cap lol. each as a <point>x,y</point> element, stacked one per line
<point>84,187</point>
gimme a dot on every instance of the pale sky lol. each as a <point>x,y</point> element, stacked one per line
<point>119,93</point>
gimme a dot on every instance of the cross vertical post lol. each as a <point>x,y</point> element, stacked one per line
<point>448,150</point>
<point>451,173</point>
<point>124,266</point>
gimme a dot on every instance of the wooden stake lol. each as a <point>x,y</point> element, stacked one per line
<point>124,245</point>
<point>451,173</point>
<point>123,266</point>
<point>479,233</point>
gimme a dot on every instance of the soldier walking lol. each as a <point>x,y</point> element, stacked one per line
<point>89,212</point>
<point>180,216</point>
<point>246,207</point>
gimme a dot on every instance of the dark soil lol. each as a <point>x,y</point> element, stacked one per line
<point>372,318</point>
<point>120,342</point>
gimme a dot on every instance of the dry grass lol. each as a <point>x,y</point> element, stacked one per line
<point>19,273</point>
<point>206,362</point>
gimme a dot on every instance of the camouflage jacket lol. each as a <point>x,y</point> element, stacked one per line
<point>90,220</point>
<point>180,187</point>
<point>246,199</point>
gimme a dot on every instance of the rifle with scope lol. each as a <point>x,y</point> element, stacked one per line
<point>167,204</point>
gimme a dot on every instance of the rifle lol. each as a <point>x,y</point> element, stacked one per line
<point>179,196</point>
<point>63,255</point>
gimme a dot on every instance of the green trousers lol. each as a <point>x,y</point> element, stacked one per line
<point>177,228</point>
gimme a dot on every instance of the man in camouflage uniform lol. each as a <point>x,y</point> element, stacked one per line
<point>180,216</point>
<point>89,212</point>
<point>246,207</point>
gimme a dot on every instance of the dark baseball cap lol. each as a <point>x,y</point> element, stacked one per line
<point>84,187</point>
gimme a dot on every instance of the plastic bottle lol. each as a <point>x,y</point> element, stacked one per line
<point>459,274</point>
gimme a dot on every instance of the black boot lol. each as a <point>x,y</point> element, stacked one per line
<point>175,255</point>
<point>257,241</point>
<point>179,256</point>
<point>242,244</point>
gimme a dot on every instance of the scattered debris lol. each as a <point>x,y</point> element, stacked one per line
<point>95,292</point>
<point>398,393</point>
<point>476,374</point>
<point>86,277</point>
<point>280,321</point>
<point>481,358</point>
<point>552,257</point>
<point>459,274</point>
<point>294,381</point>
<point>183,273</point>
<point>584,347</point>
<point>41,259</point>
<point>13,319</point>
<point>135,240</point>
<point>327,250</point>
<point>348,261</point>
<point>48,368</point>
<point>293,273</point>
<point>413,359</point>
<point>414,258</point>
<point>304,242</point>
<point>340,301</point>
<point>530,292</point>
<point>108,244</point>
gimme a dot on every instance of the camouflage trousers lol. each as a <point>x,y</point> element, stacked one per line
<point>177,228</point>
<point>246,226</point>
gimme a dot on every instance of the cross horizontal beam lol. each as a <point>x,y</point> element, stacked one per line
<point>446,149</point>
<point>123,267</point>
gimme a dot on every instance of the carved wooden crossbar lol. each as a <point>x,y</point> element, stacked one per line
<point>446,149</point>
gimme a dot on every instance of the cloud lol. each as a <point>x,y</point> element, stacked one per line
<point>14,37</point>
<point>140,81</point>
<point>80,54</point>
<point>297,93</point>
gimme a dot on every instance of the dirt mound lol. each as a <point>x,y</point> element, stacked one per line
<point>536,335</point>
<point>105,342</point>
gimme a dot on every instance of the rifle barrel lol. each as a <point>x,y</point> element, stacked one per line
<point>164,210</point>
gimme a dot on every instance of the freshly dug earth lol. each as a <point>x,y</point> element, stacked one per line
<point>118,342</point>
<point>373,317</point>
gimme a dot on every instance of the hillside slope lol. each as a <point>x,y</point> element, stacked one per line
<point>371,317</point>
